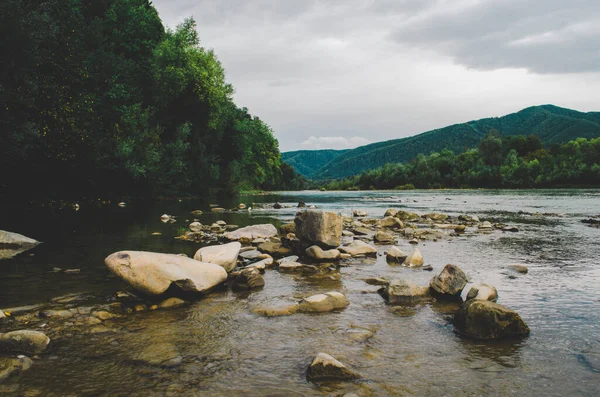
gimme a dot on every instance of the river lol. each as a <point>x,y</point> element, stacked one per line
<point>227,350</point>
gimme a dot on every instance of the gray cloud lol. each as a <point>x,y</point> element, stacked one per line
<point>384,69</point>
<point>553,36</point>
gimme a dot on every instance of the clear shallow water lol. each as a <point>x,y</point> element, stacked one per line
<point>227,350</point>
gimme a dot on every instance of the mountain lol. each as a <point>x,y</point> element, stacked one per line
<point>308,162</point>
<point>551,123</point>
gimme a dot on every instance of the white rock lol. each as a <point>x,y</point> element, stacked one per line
<point>253,232</point>
<point>395,254</point>
<point>224,255</point>
<point>153,273</point>
<point>358,247</point>
<point>195,227</point>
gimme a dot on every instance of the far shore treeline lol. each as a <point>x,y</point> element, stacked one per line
<point>98,99</point>
<point>498,162</point>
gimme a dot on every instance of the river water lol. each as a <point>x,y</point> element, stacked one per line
<point>227,350</point>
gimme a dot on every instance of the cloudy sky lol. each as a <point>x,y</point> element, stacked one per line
<point>343,73</point>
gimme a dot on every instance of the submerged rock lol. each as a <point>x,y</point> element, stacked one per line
<point>482,319</point>
<point>449,283</point>
<point>153,273</point>
<point>250,233</point>
<point>326,302</point>
<point>483,291</point>
<point>223,255</point>
<point>403,291</point>
<point>358,247</point>
<point>160,354</point>
<point>274,248</point>
<point>318,227</point>
<point>325,367</point>
<point>13,366</point>
<point>24,341</point>
<point>318,254</point>
<point>519,268</point>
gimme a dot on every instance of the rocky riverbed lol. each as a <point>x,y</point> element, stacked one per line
<point>275,304</point>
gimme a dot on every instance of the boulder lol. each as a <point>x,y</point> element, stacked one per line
<point>407,216</point>
<point>402,291</point>
<point>325,367</point>
<point>318,227</point>
<point>483,291</point>
<point>153,273</point>
<point>449,283</point>
<point>10,239</point>
<point>223,255</point>
<point>248,278</point>
<point>250,255</point>
<point>13,366</point>
<point>242,206</point>
<point>252,232</point>
<point>390,212</point>
<point>318,254</point>
<point>392,222</point>
<point>482,319</point>
<point>436,217</point>
<point>217,209</point>
<point>12,244</point>
<point>274,248</point>
<point>326,302</point>
<point>415,259</point>
<point>195,227</point>
<point>358,247</point>
<point>288,259</point>
<point>287,228</point>
<point>385,238</point>
<point>362,231</point>
<point>395,254</point>
<point>24,342</point>
<point>196,212</point>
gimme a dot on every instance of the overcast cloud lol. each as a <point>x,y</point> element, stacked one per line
<point>342,73</point>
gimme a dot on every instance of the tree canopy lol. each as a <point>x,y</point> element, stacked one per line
<point>98,98</point>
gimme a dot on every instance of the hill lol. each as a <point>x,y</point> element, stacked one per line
<point>554,125</point>
<point>308,162</point>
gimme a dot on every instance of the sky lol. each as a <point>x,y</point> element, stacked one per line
<point>336,74</point>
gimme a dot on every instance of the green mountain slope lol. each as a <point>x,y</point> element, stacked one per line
<point>308,162</point>
<point>551,123</point>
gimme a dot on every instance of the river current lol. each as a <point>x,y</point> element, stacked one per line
<point>228,350</point>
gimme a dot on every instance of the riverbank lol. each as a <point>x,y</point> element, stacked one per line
<point>221,332</point>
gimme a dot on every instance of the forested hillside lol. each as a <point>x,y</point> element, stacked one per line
<point>308,162</point>
<point>551,124</point>
<point>98,99</point>
<point>511,161</point>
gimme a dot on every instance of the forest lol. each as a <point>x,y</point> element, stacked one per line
<point>515,161</point>
<point>99,99</point>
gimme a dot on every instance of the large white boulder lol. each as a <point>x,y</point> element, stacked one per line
<point>153,273</point>
<point>12,244</point>
<point>223,255</point>
<point>253,232</point>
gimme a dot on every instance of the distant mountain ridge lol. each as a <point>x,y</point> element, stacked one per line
<point>308,162</point>
<point>552,124</point>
